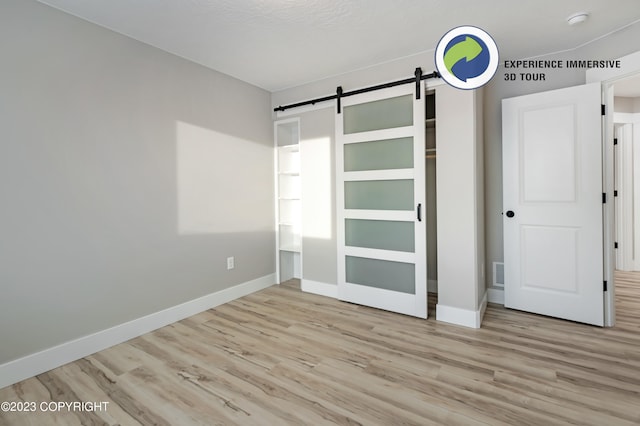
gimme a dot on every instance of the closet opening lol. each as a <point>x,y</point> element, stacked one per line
<point>431,196</point>
<point>288,200</point>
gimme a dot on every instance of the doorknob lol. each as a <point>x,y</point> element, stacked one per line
<point>419,208</point>
<point>510,213</point>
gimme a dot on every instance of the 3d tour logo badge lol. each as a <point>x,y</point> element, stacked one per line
<point>467,57</point>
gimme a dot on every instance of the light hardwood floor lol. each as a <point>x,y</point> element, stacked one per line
<point>281,356</point>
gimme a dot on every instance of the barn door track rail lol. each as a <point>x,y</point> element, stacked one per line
<point>418,76</point>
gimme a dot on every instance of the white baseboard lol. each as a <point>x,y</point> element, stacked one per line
<point>48,359</point>
<point>463,317</point>
<point>496,295</point>
<point>316,287</point>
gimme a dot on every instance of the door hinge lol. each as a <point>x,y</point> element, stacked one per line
<point>615,141</point>
<point>615,193</point>
<point>604,287</point>
<point>604,198</point>
<point>603,109</point>
<point>615,245</point>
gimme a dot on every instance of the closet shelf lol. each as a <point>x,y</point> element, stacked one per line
<point>293,248</point>
<point>290,148</point>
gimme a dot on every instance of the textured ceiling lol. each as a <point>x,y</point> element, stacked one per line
<point>275,44</point>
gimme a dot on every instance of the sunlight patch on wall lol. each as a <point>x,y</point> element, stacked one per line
<point>317,195</point>
<point>215,181</point>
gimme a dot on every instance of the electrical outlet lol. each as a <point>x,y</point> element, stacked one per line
<point>230,262</point>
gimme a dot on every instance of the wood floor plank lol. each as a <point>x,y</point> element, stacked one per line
<point>396,394</point>
<point>281,356</point>
<point>85,386</point>
<point>379,410</point>
<point>33,390</point>
<point>574,396</point>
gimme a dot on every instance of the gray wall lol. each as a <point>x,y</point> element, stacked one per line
<point>127,176</point>
<point>319,244</point>
<point>460,199</point>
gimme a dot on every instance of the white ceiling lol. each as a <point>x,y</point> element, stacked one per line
<point>275,44</point>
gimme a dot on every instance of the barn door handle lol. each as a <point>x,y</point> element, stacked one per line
<point>510,213</point>
<point>419,212</point>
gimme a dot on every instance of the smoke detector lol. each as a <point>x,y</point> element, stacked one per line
<point>577,18</point>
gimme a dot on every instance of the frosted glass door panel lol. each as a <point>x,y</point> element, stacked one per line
<point>379,194</point>
<point>384,274</point>
<point>377,115</point>
<point>380,234</point>
<point>379,155</point>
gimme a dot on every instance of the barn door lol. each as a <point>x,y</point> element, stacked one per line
<point>380,180</point>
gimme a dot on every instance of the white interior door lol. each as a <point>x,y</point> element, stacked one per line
<point>552,183</point>
<point>380,180</point>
